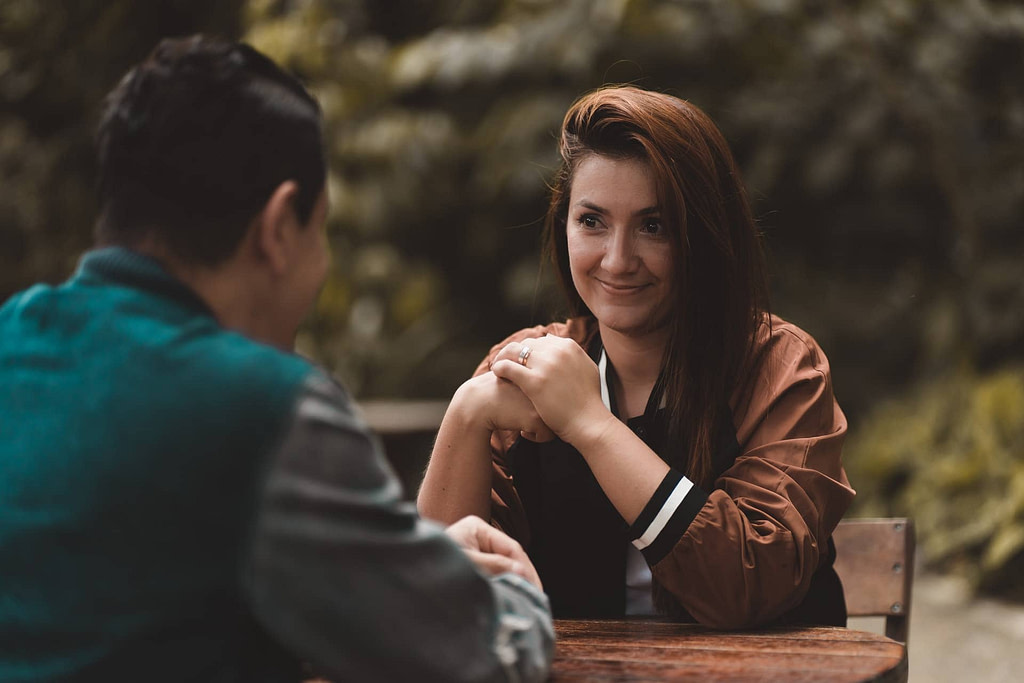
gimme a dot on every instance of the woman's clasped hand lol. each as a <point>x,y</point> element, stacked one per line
<point>561,382</point>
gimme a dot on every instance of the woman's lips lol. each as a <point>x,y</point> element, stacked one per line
<point>621,289</point>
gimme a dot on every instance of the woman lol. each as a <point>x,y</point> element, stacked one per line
<point>695,466</point>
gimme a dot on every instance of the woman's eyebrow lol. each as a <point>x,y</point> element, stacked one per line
<point>600,209</point>
<point>592,206</point>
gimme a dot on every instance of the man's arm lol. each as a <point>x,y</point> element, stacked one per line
<point>348,577</point>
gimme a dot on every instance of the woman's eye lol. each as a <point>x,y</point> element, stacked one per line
<point>588,220</point>
<point>653,228</point>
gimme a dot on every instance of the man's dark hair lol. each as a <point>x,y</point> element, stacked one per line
<point>193,142</point>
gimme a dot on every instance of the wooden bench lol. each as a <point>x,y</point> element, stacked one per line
<point>875,562</point>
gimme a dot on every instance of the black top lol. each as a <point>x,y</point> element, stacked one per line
<point>578,541</point>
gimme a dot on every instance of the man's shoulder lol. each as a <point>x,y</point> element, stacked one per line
<point>236,378</point>
<point>18,303</point>
<point>234,356</point>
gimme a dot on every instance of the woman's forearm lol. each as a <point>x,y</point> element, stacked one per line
<point>458,478</point>
<point>628,471</point>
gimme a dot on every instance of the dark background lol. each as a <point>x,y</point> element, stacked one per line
<point>882,142</point>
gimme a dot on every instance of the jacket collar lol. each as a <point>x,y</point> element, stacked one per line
<point>123,266</point>
<point>655,403</point>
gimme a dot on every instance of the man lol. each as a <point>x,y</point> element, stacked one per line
<point>182,498</point>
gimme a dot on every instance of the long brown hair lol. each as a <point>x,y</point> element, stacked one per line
<point>721,293</point>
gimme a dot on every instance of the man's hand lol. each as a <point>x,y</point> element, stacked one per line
<point>492,551</point>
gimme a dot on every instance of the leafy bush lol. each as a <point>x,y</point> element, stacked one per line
<point>951,455</point>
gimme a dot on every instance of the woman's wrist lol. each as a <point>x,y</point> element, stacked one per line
<point>589,432</point>
<point>473,408</point>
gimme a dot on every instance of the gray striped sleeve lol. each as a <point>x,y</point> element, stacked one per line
<point>345,573</point>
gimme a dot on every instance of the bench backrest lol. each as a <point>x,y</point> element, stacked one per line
<point>875,562</point>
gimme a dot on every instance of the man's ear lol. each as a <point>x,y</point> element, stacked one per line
<point>276,227</point>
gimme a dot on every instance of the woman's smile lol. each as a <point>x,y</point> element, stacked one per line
<point>621,289</point>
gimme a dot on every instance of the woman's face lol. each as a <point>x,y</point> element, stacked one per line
<point>619,250</point>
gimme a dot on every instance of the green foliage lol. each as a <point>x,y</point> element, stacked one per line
<point>881,140</point>
<point>882,143</point>
<point>57,61</point>
<point>951,454</point>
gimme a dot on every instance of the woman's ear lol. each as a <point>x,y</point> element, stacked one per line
<point>276,227</point>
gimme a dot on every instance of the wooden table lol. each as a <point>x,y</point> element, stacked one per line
<point>656,650</point>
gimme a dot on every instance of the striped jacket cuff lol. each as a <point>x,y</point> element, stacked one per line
<point>667,516</point>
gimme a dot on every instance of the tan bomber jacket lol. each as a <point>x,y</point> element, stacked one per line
<point>747,551</point>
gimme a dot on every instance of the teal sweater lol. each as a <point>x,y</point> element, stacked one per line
<point>133,430</point>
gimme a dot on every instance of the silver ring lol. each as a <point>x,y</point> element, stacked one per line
<point>524,354</point>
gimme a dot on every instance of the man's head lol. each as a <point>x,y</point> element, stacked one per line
<point>193,142</point>
<point>212,157</point>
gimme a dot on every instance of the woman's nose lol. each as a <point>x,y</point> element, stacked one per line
<point>619,252</point>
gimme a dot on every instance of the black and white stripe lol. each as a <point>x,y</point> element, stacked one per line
<point>666,516</point>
